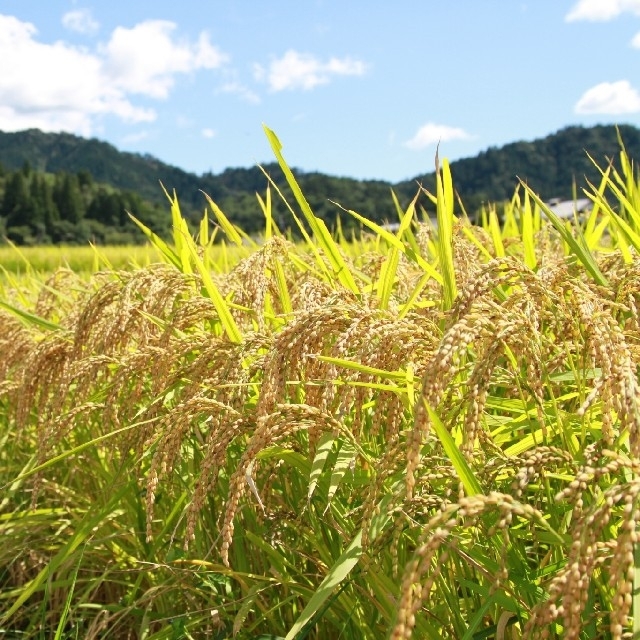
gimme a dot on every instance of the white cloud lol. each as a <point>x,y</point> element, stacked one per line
<point>145,59</point>
<point>431,133</point>
<point>612,98</point>
<point>42,88</point>
<point>303,71</point>
<point>208,133</point>
<point>601,10</point>
<point>81,21</point>
<point>635,42</point>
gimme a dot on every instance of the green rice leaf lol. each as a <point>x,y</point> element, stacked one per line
<point>229,229</point>
<point>67,605</point>
<point>224,313</point>
<point>324,272</point>
<point>265,205</point>
<point>387,277</point>
<point>471,485</point>
<point>401,376</point>
<point>628,230</point>
<point>593,229</point>
<point>181,233</point>
<point>528,239</point>
<point>396,242</point>
<point>346,456</point>
<point>444,197</point>
<point>389,267</point>
<point>593,239</point>
<point>283,289</point>
<point>203,236</point>
<point>412,300</point>
<point>321,233</point>
<point>291,457</point>
<point>621,241</point>
<point>243,612</point>
<point>164,249</point>
<point>336,575</point>
<point>370,385</point>
<point>272,553</point>
<point>30,319</point>
<point>322,452</point>
<point>577,246</point>
<point>510,224</point>
<point>496,233</point>
<point>29,470</point>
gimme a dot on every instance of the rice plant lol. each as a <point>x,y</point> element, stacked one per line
<point>432,433</point>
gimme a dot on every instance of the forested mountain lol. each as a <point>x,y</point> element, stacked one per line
<point>63,188</point>
<point>548,165</point>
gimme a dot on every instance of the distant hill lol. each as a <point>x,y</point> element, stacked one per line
<point>549,165</point>
<point>55,152</point>
<point>234,187</point>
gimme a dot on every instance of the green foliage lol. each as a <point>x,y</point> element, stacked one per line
<point>65,208</point>
<point>550,166</point>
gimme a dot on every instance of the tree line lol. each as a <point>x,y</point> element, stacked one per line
<point>38,208</point>
<point>60,188</point>
<point>70,208</point>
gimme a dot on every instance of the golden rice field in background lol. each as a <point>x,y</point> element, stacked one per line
<point>426,433</point>
<point>21,261</point>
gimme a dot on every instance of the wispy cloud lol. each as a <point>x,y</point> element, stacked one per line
<point>432,133</point>
<point>80,21</point>
<point>184,122</point>
<point>601,10</point>
<point>612,98</point>
<point>237,88</point>
<point>41,88</point>
<point>208,133</point>
<point>132,138</point>
<point>295,70</point>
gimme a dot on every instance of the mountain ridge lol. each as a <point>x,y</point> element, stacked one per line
<point>550,165</point>
<point>63,151</point>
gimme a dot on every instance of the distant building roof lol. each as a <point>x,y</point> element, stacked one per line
<point>566,208</point>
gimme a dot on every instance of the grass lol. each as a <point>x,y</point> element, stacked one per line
<point>432,433</point>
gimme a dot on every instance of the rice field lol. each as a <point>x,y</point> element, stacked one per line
<point>21,261</point>
<point>426,433</point>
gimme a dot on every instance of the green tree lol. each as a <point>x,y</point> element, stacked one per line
<point>36,200</point>
<point>85,179</point>
<point>15,203</point>
<point>36,213</point>
<point>106,207</point>
<point>46,203</point>
<point>68,198</point>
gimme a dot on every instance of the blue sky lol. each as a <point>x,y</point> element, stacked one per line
<point>353,88</point>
